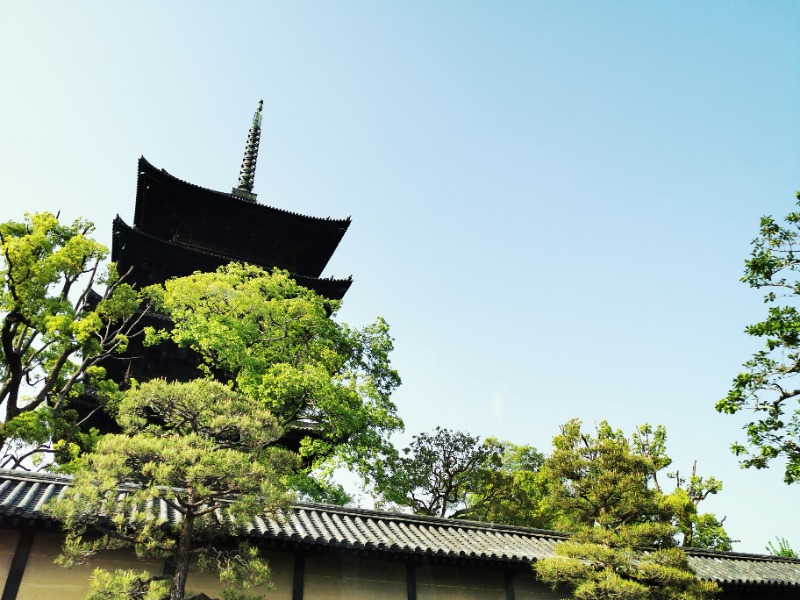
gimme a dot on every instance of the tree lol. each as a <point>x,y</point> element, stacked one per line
<point>327,384</point>
<point>623,535</point>
<point>783,549</point>
<point>696,529</point>
<point>510,490</point>
<point>765,389</point>
<point>453,474</point>
<point>699,530</point>
<point>54,333</point>
<point>205,451</point>
<point>438,471</point>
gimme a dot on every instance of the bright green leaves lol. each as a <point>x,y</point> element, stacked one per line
<point>765,388</point>
<point>276,342</point>
<point>600,480</point>
<point>614,568</point>
<point>782,549</point>
<point>124,583</point>
<point>604,490</point>
<point>54,329</point>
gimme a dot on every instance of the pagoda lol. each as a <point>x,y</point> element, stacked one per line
<point>179,228</point>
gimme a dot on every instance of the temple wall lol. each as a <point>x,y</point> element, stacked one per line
<point>44,580</point>
<point>446,582</point>
<point>282,568</point>
<point>527,588</point>
<point>343,578</point>
<point>8,543</point>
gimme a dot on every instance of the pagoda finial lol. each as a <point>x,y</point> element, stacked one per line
<point>247,173</point>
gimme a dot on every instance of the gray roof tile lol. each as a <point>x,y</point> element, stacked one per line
<point>24,495</point>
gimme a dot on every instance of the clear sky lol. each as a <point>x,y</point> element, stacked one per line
<point>551,200</point>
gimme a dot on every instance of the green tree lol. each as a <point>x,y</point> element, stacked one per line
<point>453,474</point>
<point>698,530</point>
<point>327,384</point>
<point>783,548</point>
<point>54,333</point>
<point>438,470</point>
<point>765,390</point>
<point>510,488</point>
<point>205,451</point>
<point>623,535</point>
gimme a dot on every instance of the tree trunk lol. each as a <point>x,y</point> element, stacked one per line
<point>178,589</point>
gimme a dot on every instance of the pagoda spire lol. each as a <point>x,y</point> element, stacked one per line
<point>247,173</point>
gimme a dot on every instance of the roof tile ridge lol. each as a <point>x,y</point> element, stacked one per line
<point>35,476</point>
<point>430,520</point>
<point>738,554</point>
<point>242,201</point>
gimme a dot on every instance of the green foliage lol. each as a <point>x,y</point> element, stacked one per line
<point>783,549</point>
<point>765,389</point>
<point>438,471</point>
<point>699,530</point>
<point>600,564</point>
<point>601,481</point>
<point>509,488</point>
<point>604,490</point>
<point>452,474</point>
<point>205,451</point>
<point>274,341</point>
<point>54,332</point>
<point>124,584</point>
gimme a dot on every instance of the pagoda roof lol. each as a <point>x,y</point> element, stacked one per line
<point>154,260</point>
<point>170,208</point>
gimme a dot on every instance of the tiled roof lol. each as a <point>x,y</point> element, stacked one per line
<point>23,495</point>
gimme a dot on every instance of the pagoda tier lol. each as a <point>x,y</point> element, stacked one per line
<point>154,260</point>
<point>180,228</point>
<point>176,211</point>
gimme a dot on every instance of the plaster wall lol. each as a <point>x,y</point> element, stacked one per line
<point>527,588</point>
<point>44,580</point>
<point>446,582</point>
<point>281,565</point>
<point>340,578</point>
<point>8,543</point>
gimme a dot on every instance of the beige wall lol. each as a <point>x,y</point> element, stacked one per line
<point>44,580</point>
<point>527,588</point>
<point>8,544</point>
<point>326,577</point>
<point>339,578</point>
<point>281,565</point>
<point>445,582</point>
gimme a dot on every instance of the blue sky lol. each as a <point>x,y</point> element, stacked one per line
<point>551,201</point>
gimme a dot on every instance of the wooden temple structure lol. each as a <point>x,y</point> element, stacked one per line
<point>179,228</point>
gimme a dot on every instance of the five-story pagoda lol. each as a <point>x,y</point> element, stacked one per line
<point>179,228</point>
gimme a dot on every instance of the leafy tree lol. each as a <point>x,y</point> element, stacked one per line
<point>766,389</point>
<point>699,530</point>
<point>453,474</point>
<point>623,543</point>
<point>510,488</point>
<point>327,384</point>
<point>205,451</point>
<point>783,549</point>
<point>54,333</point>
<point>439,470</point>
